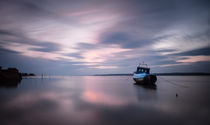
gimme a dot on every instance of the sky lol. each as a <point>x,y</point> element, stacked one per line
<point>85,37</point>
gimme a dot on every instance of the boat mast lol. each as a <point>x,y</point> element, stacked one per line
<point>143,64</point>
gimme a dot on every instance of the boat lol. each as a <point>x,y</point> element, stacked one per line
<point>142,75</point>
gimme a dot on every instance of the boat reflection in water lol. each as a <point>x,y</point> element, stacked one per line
<point>147,86</point>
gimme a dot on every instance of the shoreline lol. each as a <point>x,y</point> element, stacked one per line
<point>162,74</point>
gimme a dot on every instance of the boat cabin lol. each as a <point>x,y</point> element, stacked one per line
<point>142,70</point>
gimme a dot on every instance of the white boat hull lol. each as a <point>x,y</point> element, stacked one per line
<point>144,78</point>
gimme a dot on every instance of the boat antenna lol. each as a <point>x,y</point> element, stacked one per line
<point>142,64</point>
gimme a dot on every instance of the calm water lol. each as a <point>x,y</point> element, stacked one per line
<point>106,100</point>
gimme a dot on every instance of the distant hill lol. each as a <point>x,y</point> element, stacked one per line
<point>113,75</point>
<point>182,74</point>
<point>161,74</point>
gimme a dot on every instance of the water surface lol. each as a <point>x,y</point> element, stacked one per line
<point>106,100</point>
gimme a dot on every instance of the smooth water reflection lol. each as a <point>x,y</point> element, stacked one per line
<point>102,100</point>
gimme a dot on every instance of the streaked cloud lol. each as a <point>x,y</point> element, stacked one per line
<point>190,59</point>
<point>105,35</point>
<point>104,67</point>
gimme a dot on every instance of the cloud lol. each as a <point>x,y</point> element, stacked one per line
<point>47,47</point>
<point>196,52</point>
<point>122,39</point>
<point>5,32</point>
<point>9,37</point>
<point>104,67</point>
<point>106,33</point>
<point>26,8</point>
<point>191,59</point>
<point>5,51</point>
<point>180,41</point>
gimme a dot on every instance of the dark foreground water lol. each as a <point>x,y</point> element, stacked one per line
<point>106,100</point>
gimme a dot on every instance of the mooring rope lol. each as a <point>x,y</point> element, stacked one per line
<point>173,83</point>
